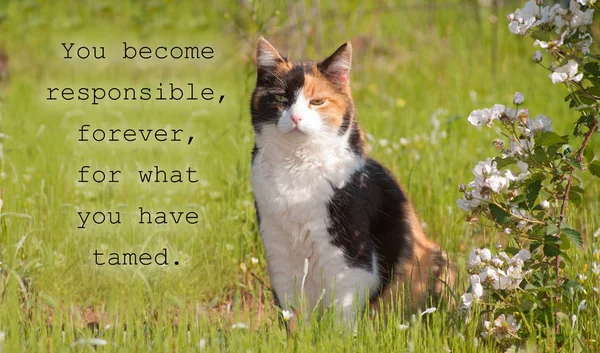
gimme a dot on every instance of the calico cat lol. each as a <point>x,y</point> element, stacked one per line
<point>320,199</point>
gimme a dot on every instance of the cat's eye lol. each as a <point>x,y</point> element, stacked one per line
<point>281,98</point>
<point>317,101</point>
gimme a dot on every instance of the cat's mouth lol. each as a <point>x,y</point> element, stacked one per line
<point>296,130</point>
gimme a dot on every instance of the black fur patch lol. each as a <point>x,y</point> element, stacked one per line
<point>265,109</point>
<point>348,115</point>
<point>355,141</point>
<point>368,214</point>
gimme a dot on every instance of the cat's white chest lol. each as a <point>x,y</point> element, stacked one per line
<point>293,191</point>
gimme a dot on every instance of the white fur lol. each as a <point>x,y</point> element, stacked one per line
<point>311,122</point>
<point>292,176</point>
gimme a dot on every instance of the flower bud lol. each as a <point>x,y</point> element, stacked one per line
<point>545,204</point>
<point>539,2</point>
<point>468,196</point>
<point>462,188</point>
<point>511,194</point>
<point>537,56</point>
<point>506,230</point>
<point>518,98</point>
<point>499,144</point>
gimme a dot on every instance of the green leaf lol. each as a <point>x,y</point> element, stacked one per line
<point>571,285</point>
<point>499,214</point>
<point>541,35</point>
<point>594,168</point>
<point>519,199</point>
<point>549,138</point>
<point>503,162</point>
<point>573,236</point>
<point>592,68</point>
<point>540,156</point>
<point>584,120</point>
<point>574,163</point>
<point>533,190</point>
<point>588,153</point>
<point>551,229</point>
<point>575,198</point>
<point>551,250</point>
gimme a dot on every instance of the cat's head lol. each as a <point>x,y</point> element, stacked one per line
<point>302,101</point>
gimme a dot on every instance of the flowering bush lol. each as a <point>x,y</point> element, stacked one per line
<point>526,188</point>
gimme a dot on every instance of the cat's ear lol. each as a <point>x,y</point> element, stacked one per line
<point>337,66</point>
<point>266,55</point>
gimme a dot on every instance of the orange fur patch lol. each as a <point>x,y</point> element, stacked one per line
<point>316,86</point>
<point>422,277</point>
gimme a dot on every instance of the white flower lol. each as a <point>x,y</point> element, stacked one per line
<point>597,233</point>
<point>485,168</point>
<point>545,204</point>
<point>497,262</point>
<point>572,17</point>
<point>403,327</point>
<point>496,183</point>
<point>503,327</point>
<point>582,306</point>
<point>505,282</point>
<point>429,311</point>
<point>287,315</point>
<point>476,287</point>
<point>518,148</point>
<point>490,276</point>
<point>518,98</point>
<point>512,322</point>
<point>91,342</point>
<point>523,167</point>
<point>471,200</point>
<point>486,116</point>
<point>468,299</point>
<point>524,19</point>
<point>537,56</point>
<point>596,268</point>
<point>485,254</point>
<point>201,344</point>
<point>239,325</point>
<point>522,255</point>
<point>515,276</point>
<point>579,18</point>
<point>584,43</point>
<point>539,123</point>
<point>474,259</point>
<point>507,231</point>
<point>383,142</point>
<point>573,320</point>
<point>566,73</point>
<point>254,260</point>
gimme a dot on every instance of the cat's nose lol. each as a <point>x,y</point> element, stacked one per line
<point>296,119</point>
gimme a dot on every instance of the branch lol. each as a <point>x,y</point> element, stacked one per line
<point>565,199</point>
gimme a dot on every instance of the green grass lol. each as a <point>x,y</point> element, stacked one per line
<point>409,62</point>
